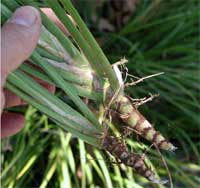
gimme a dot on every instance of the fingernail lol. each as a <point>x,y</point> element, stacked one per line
<point>24,16</point>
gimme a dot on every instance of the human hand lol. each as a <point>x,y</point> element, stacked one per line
<point>18,39</point>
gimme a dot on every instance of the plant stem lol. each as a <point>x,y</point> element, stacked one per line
<point>67,88</point>
<point>82,90</point>
<point>76,35</point>
<point>91,139</point>
<point>99,55</point>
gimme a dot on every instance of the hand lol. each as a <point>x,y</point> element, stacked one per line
<point>19,38</point>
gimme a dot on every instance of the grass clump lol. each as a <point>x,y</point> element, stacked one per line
<point>63,63</point>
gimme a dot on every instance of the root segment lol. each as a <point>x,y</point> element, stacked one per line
<point>117,148</point>
<point>131,116</point>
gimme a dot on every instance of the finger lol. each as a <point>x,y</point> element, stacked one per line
<point>2,101</point>
<point>11,123</point>
<point>19,38</point>
<point>11,99</point>
<point>55,19</point>
<point>50,88</point>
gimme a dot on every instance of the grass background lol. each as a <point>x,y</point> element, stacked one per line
<point>160,36</point>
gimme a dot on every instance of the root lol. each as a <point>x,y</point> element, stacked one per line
<point>166,166</point>
<point>139,102</point>
<point>127,107</point>
<point>117,148</point>
<point>127,130</point>
<point>142,79</point>
<point>146,151</point>
<point>132,117</point>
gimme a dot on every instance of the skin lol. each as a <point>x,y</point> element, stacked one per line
<point>19,38</point>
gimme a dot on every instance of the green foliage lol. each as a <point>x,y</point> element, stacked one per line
<point>44,156</point>
<point>163,39</point>
<point>161,36</point>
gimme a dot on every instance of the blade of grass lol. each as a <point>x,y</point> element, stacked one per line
<point>50,170</point>
<point>79,85</point>
<point>27,166</point>
<point>96,168</point>
<point>67,88</point>
<point>69,126</point>
<point>66,180</point>
<point>11,4</point>
<point>102,60</point>
<point>76,35</point>
<point>104,168</point>
<point>51,101</point>
<point>71,160</point>
<point>83,163</point>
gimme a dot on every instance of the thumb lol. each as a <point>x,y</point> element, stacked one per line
<point>19,38</point>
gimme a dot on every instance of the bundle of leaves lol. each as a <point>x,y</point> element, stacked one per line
<point>85,73</point>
